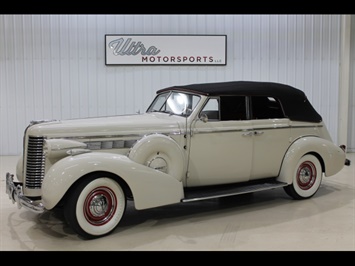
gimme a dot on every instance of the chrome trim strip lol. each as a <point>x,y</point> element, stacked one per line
<point>201,131</point>
<point>248,190</point>
<point>221,131</point>
<point>271,128</point>
<point>102,137</point>
<point>133,136</point>
<point>292,126</point>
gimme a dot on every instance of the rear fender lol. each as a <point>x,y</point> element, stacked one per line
<point>150,188</point>
<point>332,157</point>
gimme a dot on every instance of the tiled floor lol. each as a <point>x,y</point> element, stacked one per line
<point>262,221</point>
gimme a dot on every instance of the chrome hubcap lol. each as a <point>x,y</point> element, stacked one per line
<point>306,175</point>
<point>100,206</point>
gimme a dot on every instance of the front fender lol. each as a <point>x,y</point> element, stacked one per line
<point>332,156</point>
<point>150,188</point>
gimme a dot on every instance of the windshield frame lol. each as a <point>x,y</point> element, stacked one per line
<point>163,106</point>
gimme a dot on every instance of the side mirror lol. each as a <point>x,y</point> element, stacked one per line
<point>203,117</point>
<point>187,111</point>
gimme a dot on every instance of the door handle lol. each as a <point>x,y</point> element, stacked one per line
<point>252,133</point>
<point>249,134</point>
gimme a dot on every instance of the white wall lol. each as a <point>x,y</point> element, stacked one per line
<point>53,66</point>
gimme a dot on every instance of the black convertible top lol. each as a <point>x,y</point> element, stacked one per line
<point>294,101</point>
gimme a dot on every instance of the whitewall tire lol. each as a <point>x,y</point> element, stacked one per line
<point>307,178</point>
<point>95,206</point>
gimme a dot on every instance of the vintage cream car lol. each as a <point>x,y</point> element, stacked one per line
<point>194,142</point>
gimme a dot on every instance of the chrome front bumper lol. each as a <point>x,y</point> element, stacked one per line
<point>14,190</point>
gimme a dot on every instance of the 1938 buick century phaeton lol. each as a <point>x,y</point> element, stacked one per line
<point>194,142</point>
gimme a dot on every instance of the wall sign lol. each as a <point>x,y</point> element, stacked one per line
<point>166,49</point>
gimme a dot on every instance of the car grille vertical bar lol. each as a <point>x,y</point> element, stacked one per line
<point>35,163</point>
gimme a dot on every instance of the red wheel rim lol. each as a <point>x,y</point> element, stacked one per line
<point>100,206</point>
<point>306,175</point>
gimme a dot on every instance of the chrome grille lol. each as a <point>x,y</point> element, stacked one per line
<point>35,162</point>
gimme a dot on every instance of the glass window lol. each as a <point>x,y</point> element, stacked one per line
<point>233,108</point>
<point>158,102</point>
<point>211,109</point>
<point>266,107</point>
<point>176,103</point>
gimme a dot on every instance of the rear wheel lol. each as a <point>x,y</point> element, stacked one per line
<point>95,206</point>
<point>307,178</point>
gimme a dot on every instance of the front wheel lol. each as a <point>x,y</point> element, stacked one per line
<point>95,206</point>
<point>307,178</point>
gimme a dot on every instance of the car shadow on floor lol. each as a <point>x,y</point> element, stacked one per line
<point>183,222</point>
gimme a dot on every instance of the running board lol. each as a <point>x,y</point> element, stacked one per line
<point>210,192</point>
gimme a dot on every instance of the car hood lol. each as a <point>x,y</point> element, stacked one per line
<point>136,124</point>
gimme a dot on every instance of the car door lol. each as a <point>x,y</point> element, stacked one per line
<point>220,149</point>
<point>271,136</point>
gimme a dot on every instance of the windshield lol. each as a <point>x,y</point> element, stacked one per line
<point>174,103</point>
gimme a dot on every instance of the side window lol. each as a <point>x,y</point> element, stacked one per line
<point>211,109</point>
<point>193,101</point>
<point>233,108</point>
<point>266,107</point>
